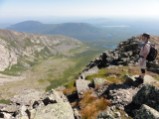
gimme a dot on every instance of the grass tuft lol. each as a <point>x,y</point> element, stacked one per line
<point>91,105</point>
<point>4,101</point>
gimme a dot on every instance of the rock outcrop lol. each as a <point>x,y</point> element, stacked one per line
<point>139,101</point>
<point>37,105</point>
<point>148,95</point>
<point>127,53</point>
<point>146,112</point>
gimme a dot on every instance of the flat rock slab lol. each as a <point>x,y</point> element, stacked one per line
<point>147,79</point>
<point>62,110</point>
<point>91,71</point>
<point>27,96</point>
<point>82,86</point>
<point>99,81</point>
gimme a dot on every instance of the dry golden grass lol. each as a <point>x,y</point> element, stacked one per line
<point>133,70</point>
<point>69,91</point>
<point>91,105</point>
<point>87,99</point>
<point>89,112</point>
<point>74,104</point>
<point>101,104</point>
<point>115,80</point>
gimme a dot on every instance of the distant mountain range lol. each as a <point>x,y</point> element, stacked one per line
<point>81,31</point>
<point>98,30</point>
<point>102,33</point>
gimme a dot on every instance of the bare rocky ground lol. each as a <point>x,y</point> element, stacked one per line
<point>124,97</point>
<point>98,95</point>
<point>33,104</point>
<point>129,98</point>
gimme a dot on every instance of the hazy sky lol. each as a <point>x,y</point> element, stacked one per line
<point>30,9</point>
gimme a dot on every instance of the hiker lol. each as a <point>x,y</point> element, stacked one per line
<point>144,51</point>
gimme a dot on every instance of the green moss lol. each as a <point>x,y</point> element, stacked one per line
<point>70,84</point>
<point>113,75</point>
<point>101,74</point>
<point>41,81</point>
<point>80,60</point>
<point>15,70</point>
<point>67,76</point>
<point>3,101</point>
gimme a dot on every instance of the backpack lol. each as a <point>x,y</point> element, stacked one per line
<point>152,54</point>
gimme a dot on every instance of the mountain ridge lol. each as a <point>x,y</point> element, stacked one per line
<point>81,31</point>
<point>30,47</point>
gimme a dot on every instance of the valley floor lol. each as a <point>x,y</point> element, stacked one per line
<point>47,74</point>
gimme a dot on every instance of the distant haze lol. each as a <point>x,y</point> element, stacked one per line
<point>12,11</point>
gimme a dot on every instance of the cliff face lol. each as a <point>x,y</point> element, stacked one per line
<point>25,49</point>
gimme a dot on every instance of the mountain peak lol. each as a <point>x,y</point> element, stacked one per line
<point>31,22</point>
<point>29,26</point>
<point>81,31</point>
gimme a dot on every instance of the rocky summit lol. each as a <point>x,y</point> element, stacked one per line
<point>106,89</point>
<point>112,76</point>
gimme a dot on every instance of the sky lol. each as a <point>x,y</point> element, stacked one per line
<point>36,9</point>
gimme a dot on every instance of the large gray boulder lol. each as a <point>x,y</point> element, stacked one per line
<point>82,86</point>
<point>62,110</point>
<point>34,104</point>
<point>112,113</point>
<point>122,96</point>
<point>146,112</point>
<point>27,96</point>
<point>148,95</point>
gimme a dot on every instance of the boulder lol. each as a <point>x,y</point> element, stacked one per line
<point>61,110</point>
<point>148,95</point>
<point>122,96</point>
<point>37,105</point>
<point>27,97</point>
<point>82,86</point>
<point>131,80</point>
<point>112,113</point>
<point>98,82</point>
<point>91,71</point>
<point>11,108</point>
<point>54,96</point>
<point>146,112</point>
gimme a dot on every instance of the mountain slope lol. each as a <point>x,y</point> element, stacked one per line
<point>27,26</point>
<point>108,87</point>
<point>26,49</point>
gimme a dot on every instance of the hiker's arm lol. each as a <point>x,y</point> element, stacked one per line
<point>145,51</point>
<point>144,54</point>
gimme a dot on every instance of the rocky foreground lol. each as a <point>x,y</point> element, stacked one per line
<point>106,89</point>
<point>127,98</point>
